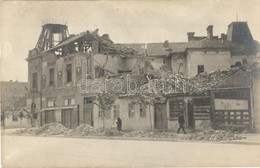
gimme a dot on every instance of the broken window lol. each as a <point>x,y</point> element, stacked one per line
<point>69,72</point>
<point>34,80</point>
<point>99,72</point>
<point>142,110</point>
<point>76,44</point>
<point>51,77</point>
<point>56,37</point>
<point>131,110</point>
<point>200,69</point>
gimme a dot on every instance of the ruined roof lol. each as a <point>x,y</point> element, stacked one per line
<point>108,45</point>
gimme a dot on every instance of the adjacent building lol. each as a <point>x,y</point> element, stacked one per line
<point>12,91</point>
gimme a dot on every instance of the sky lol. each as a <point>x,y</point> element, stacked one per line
<point>125,21</point>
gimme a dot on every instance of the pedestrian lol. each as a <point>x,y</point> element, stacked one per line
<point>181,122</point>
<point>119,124</point>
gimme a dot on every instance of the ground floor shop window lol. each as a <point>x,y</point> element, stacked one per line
<point>175,109</point>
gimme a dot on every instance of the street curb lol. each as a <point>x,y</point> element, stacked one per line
<point>235,142</point>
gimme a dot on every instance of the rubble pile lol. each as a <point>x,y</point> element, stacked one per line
<point>204,125</point>
<point>47,129</point>
<point>54,129</point>
<point>113,132</point>
<point>28,131</point>
<point>84,130</point>
<point>211,135</point>
<point>204,81</point>
<point>179,84</point>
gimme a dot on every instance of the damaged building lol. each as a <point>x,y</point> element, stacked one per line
<point>60,60</point>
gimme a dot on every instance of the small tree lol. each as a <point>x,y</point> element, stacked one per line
<point>14,107</point>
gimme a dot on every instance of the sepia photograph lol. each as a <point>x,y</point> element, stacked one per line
<point>129,84</point>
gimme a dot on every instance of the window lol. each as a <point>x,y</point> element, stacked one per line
<point>142,110</point>
<point>51,103</point>
<point>72,101</point>
<point>14,118</point>
<point>56,37</point>
<point>68,102</point>
<point>141,70</point>
<point>88,65</point>
<point>34,80</point>
<point>88,100</point>
<point>131,110</point>
<point>200,69</point>
<point>100,114</point>
<point>69,72</point>
<point>116,111</point>
<point>51,77</point>
<point>99,72</point>
<point>175,108</point>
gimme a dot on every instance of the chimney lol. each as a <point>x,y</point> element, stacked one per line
<point>190,35</point>
<point>166,44</point>
<point>223,37</point>
<point>106,37</point>
<point>210,32</point>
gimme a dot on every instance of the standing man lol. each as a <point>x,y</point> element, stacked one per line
<point>181,122</point>
<point>119,124</point>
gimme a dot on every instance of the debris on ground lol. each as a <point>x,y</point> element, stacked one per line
<point>45,130</point>
<point>87,130</point>
<point>84,130</point>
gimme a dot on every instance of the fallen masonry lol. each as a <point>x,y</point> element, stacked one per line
<point>86,130</point>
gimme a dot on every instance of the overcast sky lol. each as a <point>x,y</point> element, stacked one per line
<point>125,22</point>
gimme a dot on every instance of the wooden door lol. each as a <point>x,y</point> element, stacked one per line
<point>49,116</point>
<point>66,117</point>
<point>160,118</point>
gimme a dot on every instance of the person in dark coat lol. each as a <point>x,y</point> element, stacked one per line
<point>181,122</point>
<point>119,124</point>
